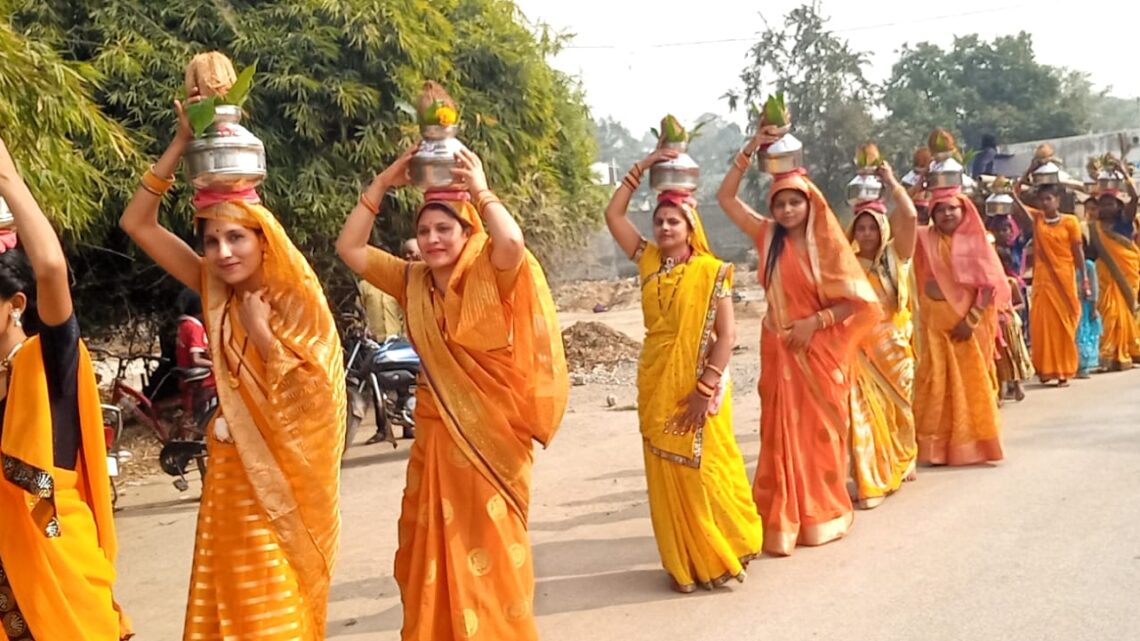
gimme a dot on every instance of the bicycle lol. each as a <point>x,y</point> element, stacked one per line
<point>182,441</point>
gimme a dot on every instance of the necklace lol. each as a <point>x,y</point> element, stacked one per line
<point>671,272</point>
<point>1052,221</point>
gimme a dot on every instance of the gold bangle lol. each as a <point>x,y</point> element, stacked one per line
<point>372,207</point>
<point>148,188</point>
<point>156,184</point>
<point>636,171</point>
<point>719,371</point>
<point>740,161</point>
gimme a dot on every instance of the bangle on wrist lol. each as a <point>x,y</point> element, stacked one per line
<point>366,202</point>
<point>154,183</point>
<point>714,368</point>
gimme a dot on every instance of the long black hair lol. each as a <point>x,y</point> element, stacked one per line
<point>776,246</point>
<point>17,277</point>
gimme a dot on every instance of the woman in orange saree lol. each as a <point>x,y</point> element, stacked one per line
<point>269,522</point>
<point>820,306</point>
<point>700,502</point>
<point>1118,274</point>
<point>883,447</point>
<point>1054,308</point>
<point>962,284</point>
<point>494,379</point>
<point>57,539</point>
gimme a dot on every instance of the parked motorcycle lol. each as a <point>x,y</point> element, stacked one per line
<point>383,375</point>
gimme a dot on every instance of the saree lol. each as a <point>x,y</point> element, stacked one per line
<point>957,422</point>
<point>1091,327</point>
<point>269,522</point>
<point>1054,308</point>
<point>57,543</point>
<point>700,501</point>
<point>494,379</point>
<point>1118,274</point>
<point>800,487</point>
<point>883,447</point>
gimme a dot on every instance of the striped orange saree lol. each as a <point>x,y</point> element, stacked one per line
<point>269,523</point>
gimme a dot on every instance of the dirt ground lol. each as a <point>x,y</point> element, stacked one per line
<point>1035,547</point>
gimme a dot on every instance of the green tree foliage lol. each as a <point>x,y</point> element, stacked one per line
<point>978,87</point>
<point>828,94</point>
<point>332,100</point>
<point>68,151</point>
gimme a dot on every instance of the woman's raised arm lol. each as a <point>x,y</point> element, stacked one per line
<point>738,211</point>
<point>507,244</point>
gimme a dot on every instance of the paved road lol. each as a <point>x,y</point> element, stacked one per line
<point>1045,545</point>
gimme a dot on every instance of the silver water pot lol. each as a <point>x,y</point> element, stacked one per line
<point>786,154</point>
<point>1109,180</point>
<point>431,165</point>
<point>7,221</point>
<point>1047,174</point>
<point>679,174</point>
<point>944,173</point>
<point>999,204</point>
<point>864,187</point>
<point>227,157</point>
<point>911,178</point>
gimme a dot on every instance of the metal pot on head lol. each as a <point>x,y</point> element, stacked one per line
<point>1109,180</point>
<point>679,174</point>
<point>227,157</point>
<point>1047,174</point>
<point>431,165</point>
<point>999,204</point>
<point>782,156</point>
<point>944,173</point>
<point>864,187</point>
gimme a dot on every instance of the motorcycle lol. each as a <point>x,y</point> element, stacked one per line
<point>383,374</point>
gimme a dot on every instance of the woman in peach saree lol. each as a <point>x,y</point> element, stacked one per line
<point>700,502</point>
<point>57,533</point>
<point>820,305</point>
<point>883,447</point>
<point>1118,274</point>
<point>961,285</point>
<point>269,521</point>
<point>494,379</point>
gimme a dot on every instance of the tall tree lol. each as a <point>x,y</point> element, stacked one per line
<point>331,97</point>
<point>978,87</point>
<point>68,151</point>
<point>827,91</point>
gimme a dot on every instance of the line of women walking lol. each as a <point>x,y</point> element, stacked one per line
<point>860,323</point>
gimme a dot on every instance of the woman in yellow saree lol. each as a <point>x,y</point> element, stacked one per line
<point>961,285</point>
<point>883,447</point>
<point>820,305</point>
<point>700,502</point>
<point>1118,274</point>
<point>57,534</point>
<point>494,379</point>
<point>269,522</point>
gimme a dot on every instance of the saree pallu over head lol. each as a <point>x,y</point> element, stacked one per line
<point>59,563</point>
<point>893,275</point>
<point>496,365</point>
<point>680,308</point>
<point>972,266</point>
<point>833,266</point>
<point>286,414</point>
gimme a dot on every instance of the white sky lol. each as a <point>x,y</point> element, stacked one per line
<point>616,51</point>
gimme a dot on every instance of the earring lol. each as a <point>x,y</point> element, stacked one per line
<point>16,318</point>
